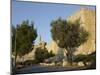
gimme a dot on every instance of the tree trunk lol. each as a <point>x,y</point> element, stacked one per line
<point>69,56</point>
<point>15,60</point>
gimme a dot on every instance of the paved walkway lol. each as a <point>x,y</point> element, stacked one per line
<point>41,69</point>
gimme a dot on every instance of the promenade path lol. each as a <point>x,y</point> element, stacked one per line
<point>42,69</point>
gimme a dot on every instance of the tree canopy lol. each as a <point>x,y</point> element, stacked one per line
<point>68,35</point>
<point>41,54</point>
<point>24,35</point>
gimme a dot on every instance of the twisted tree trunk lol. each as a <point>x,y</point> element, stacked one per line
<point>69,55</point>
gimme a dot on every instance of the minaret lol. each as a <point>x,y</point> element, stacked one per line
<point>40,40</point>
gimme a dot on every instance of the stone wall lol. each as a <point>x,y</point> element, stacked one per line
<point>52,46</point>
<point>88,21</point>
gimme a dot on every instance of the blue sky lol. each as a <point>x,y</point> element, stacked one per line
<point>42,14</point>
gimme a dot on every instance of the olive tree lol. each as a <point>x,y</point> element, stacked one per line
<point>68,35</point>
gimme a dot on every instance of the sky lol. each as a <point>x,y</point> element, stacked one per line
<point>42,14</point>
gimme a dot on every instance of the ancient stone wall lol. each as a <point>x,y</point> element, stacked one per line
<point>88,21</point>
